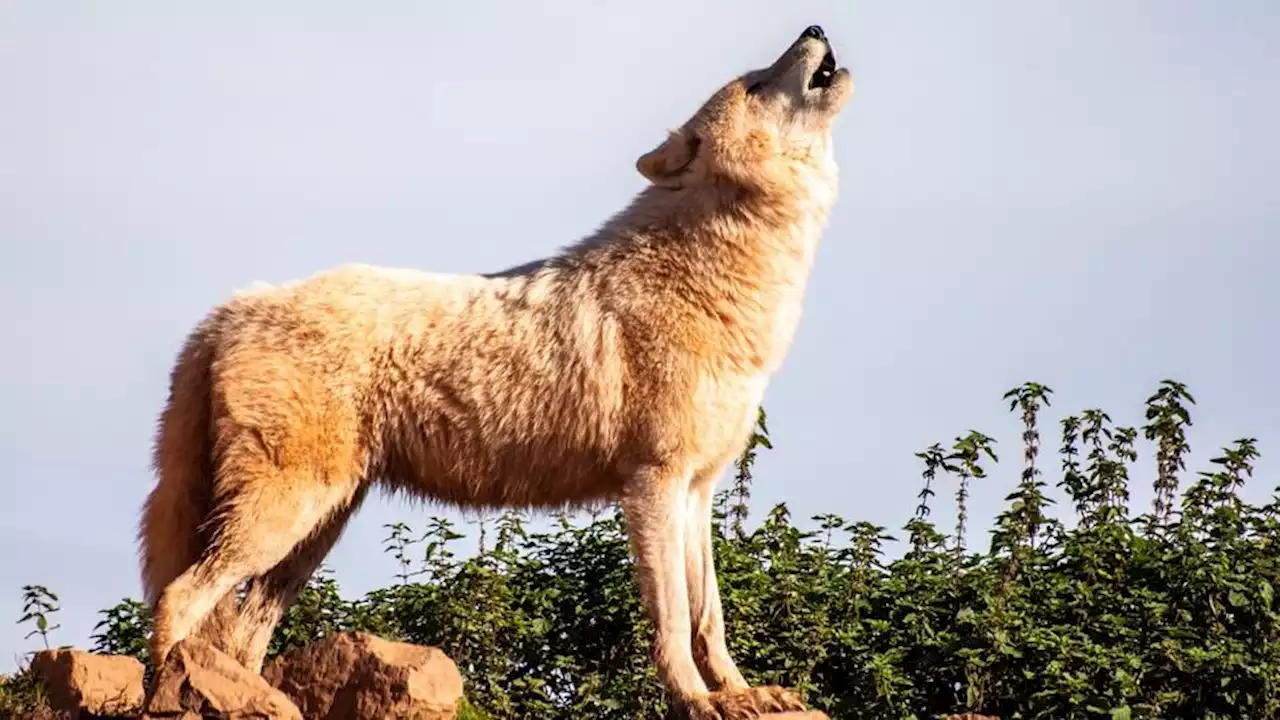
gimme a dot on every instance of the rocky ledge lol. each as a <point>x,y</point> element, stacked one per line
<point>350,676</point>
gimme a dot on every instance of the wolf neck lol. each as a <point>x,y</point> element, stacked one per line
<point>736,260</point>
<point>742,240</point>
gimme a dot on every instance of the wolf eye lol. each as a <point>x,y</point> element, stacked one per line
<point>755,87</point>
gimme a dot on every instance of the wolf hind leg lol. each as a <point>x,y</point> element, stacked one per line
<point>269,596</point>
<point>242,628</point>
<point>261,513</point>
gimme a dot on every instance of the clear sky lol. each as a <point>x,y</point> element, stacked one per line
<point>1084,194</point>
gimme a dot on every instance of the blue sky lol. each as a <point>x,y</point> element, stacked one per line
<point>1084,194</point>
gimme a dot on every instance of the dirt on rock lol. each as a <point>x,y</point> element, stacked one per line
<point>78,683</point>
<point>199,681</point>
<point>358,675</point>
<point>353,676</point>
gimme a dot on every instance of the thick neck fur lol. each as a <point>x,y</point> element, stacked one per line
<point>735,255</point>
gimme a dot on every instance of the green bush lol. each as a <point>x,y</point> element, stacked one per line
<point>22,696</point>
<point>1161,614</point>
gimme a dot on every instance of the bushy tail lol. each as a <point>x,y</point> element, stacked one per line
<point>170,531</point>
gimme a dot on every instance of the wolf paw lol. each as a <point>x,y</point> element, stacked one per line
<point>745,704</point>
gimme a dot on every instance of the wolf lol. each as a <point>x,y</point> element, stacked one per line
<point>627,367</point>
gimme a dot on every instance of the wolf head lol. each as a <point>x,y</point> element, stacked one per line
<point>763,120</point>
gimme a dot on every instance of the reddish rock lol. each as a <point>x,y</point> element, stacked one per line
<point>199,681</point>
<point>358,676</point>
<point>77,682</point>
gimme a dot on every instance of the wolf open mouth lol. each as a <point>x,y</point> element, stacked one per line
<point>826,73</point>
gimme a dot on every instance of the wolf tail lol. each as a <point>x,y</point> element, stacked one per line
<point>170,533</point>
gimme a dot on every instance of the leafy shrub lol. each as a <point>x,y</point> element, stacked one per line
<point>1110,613</point>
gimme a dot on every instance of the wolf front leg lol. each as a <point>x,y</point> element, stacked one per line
<point>655,504</point>
<point>731,697</point>
<point>709,648</point>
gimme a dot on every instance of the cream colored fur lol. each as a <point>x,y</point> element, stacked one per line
<point>628,368</point>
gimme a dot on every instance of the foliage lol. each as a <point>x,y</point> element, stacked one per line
<point>124,629</point>
<point>1107,612</point>
<point>22,696</point>
<point>38,603</point>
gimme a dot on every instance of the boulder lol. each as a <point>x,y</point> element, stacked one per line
<point>79,683</point>
<point>358,676</point>
<point>199,681</point>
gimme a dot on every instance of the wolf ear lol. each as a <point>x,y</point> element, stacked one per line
<point>665,164</point>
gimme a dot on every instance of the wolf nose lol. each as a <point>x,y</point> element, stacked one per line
<point>815,32</point>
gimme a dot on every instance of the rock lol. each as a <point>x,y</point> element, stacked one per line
<point>354,676</point>
<point>199,681</point>
<point>80,683</point>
